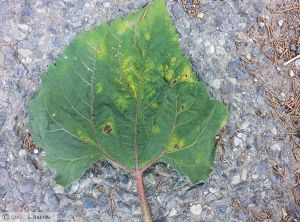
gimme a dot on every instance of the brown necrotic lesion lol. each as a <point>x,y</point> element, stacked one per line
<point>107,129</point>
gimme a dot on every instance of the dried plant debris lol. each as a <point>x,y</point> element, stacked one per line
<point>28,144</point>
<point>192,8</point>
<point>279,34</point>
<point>296,189</point>
<point>260,215</point>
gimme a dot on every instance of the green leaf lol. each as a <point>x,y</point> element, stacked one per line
<point>125,92</point>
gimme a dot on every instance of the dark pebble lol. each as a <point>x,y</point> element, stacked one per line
<point>123,179</point>
<point>177,11</point>
<point>2,119</point>
<point>88,204</point>
<point>27,10</point>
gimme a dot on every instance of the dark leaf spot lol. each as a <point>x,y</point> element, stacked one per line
<point>107,129</point>
<point>176,146</point>
<point>174,81</point>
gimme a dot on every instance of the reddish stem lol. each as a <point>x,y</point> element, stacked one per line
<point>146,213</point>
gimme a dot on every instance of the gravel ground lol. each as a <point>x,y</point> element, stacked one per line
<point>243,185</point>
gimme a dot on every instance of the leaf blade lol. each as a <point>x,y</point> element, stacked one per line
<point>124,92</point>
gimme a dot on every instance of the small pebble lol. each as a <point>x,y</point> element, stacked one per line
<point>297,64</point>
<point>196,209</point>
<point>292,73</point>
<point>210,50</point>
<point>173,212</point>
<point>280,23</point>
<point>26,186</point>
<point>274,131</point>
<point>237,141</point>
<point>200,15</point>
<point>23,27</point>
<point>275,147</point>
<point>244,174</point>
<point>236,179</point>
<point>106,5</point>
<point>25,52</point>
<point>216,83</point>
<point>88,204</point>
<point>244,125</point>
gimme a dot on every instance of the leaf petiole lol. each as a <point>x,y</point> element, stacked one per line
<point>146,212</point>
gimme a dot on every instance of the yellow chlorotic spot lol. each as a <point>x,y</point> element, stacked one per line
<point>99,87</point>
<point>169,75</point>
<point>186,74</point>
<point>83,136</point>
<point>147,36</point>
<point>175,143</point>
<point>173,61</point>
<point>154,105</point>
<point>122,103</point>
<point>124,27</point>
<point>149,65</point>
<point>155,129</point>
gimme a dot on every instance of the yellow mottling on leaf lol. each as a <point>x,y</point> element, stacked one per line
<point>186,75</point>
<point>175,143</point>
<point>126,25</point>
<point>155,129</point>
<point>169,75</point>
<point>154,105</point>
<point>84,136</point>
<point>99,88</point>
<point>173,61</point>
<point>147,36</point>
<point>122,102</point>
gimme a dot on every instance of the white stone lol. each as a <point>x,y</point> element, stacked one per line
<point>275,147</point>
<point>74,187</point>
<point>297,64</point>
<point>210,50</point>
<point>261,24</point>
<point>196,209</point>
<point>236,179</point>
<point>274,131</point>
<point>221,41</point>
<point>22,152</point>
<point>244,175</point>
<point>244,125</point>
<point>237,141</point>
<point>89,5</point>
<point>36,151</point>
<point>292,73</point>
<point>216,83</point>
<point>200,15</point>
<point>212,190</point>
<point>255,80</point>
<point>58,188</point>
<point>232,80</point>
<point>25,52</point>
<point>280,22</point>
<point>255,176</point>
<point>241,135</point>
<point>23,27</point>
<point>173,212</point>
<point>106,4</point>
